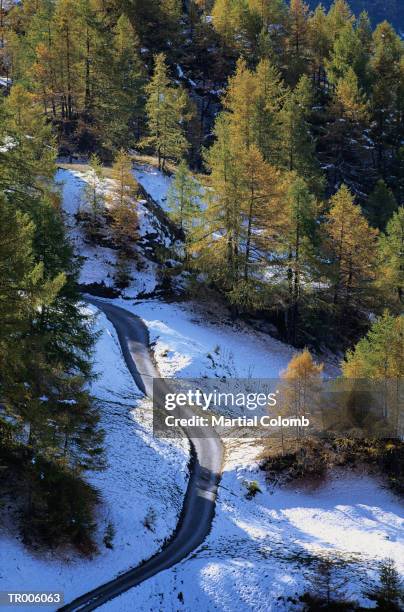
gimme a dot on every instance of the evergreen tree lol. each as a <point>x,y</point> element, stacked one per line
<point>94,195</point>
<point>338,17</point>
<point>298,244</point>
<point>348,54</point>
<point>381,205</point>
<point>390,594</point>
<point>296,146</point>
<point>345,142</point>
<point>390,276</point>
<point>386,97</point>
<point>121,96</point>
<point>183,197</point>
<point>167,111</point>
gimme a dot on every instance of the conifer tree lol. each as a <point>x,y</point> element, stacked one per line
<point>300,386</point>
<point>346,150</point>
<point>261,193</point>
<point>379,355</point>
<point>389,595</point>
<point>183,197</point>
<point>121,97</point>
<point>122,202</point>
<point>390,276</point>
<point>297,39</point>
<point>296,146</point>
<point>218,246</point>
<point>94,191</point>
<point>381,205</point>
<point>352,257</point>
<point>167,111</point>
<point>270,93</point>
<point>386,97</point>
<point>320,41</point>
<point>298,242</point>
<point>348,53</point>
<point>338,17</point>
<point>240,100</point>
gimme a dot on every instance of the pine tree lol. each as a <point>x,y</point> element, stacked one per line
<point>94,190</point>
<point>296,146</point>
<point>352,257</point>
<point>390,274</point>
<point>298,244</point>
<point>348,53</point>
<point>183,197</point>
<point>381,205</point>
<point>218,247</point>
<point>345,143</point>
<point>390,594</point>
<point>386,97</point>
<point>270,94</point>
<point>167,111</point>
<point>122,203</point>
<point>121,96</point>
<point>379,357</point>
<point>338,17</point>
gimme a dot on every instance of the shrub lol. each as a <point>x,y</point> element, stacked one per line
<point>252,489</point>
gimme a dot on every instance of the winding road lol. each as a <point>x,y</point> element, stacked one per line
<point>207,455</point>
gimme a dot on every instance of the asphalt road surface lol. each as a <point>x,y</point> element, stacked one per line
<point>207,455</point>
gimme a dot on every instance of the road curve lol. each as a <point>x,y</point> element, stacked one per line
<point>207,455</point>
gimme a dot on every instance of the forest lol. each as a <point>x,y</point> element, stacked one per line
<point>282,127</point>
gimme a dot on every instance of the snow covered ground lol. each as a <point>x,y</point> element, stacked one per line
<point>260,550</point>
<point>154,182</point>
<point>142,490</point>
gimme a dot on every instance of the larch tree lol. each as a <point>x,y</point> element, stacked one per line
<point>386,99</point>
<point>270,93</point>
<point>319,41</point>
<point>121,200</point>
<point>297,39</point>
<point>299,388</point>
<point>261,194</point>
<point>351,245</point>
<point>338,17</point>
<point>218,247</point>
<point>390,274</point>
